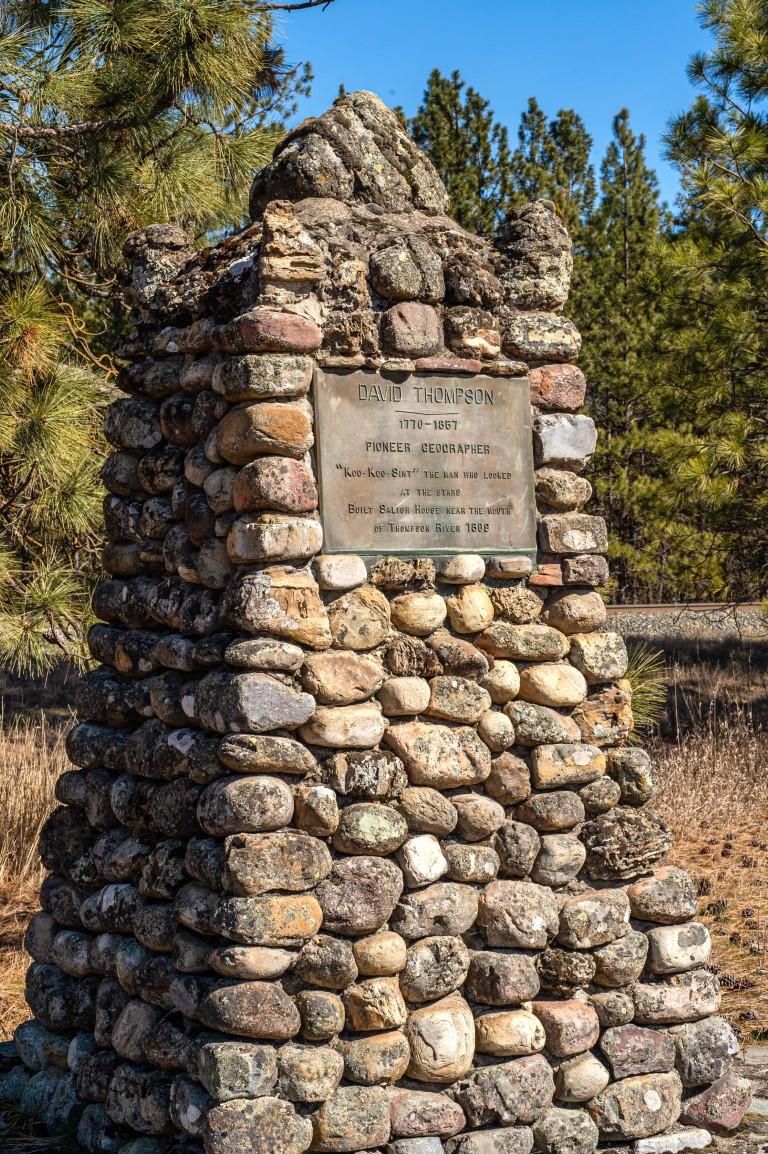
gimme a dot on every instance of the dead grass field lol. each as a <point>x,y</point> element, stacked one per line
<point>712,790</point>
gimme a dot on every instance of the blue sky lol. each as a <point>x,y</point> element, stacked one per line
<point>592,55</point>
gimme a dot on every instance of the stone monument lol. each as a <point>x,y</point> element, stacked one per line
<point>356,854</point>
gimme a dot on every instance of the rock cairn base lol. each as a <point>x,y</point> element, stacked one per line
<point>355,855</point>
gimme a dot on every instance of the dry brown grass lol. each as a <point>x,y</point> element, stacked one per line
<point>713,792</point>
<point>32,756</point>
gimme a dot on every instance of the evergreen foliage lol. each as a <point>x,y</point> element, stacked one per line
<point>716,305</point>
<point>113,114</point>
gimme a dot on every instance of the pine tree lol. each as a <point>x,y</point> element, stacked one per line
<point>113,114</point>
<point>456,128</point>
<point>552,162</point>
<point>716,335</point>
<point>657,549</point>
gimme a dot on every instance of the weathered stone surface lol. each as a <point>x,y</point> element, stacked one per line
<point>457,699</point>
<point>285,860</point>
<point>637,1107</point>
<point>376,1059</point>
<point>624,843</point>
<point>673,949</point>
<point>557,387</point>
<point>371,773</point>
<point>326,962</point>
<point>572,533</point>
<point>509,1034</point>
<point>517,845</point>
<point>439,757</point>
<point>721,1107</point>
<point>253,1009</point>
<point>621,962</point>
<point>441,909</point>
<point>411,329</point>
<point>501,979</point>
<point>633,770</point>
<point>380,954</point>
<point>571,1026</point>
<point>632,1050</point>
<point>479,816</point>
<point>281,484</point>
<point>518,914</point>
<point>249,702</point>
<point>265,755</point>
<point>260,378</point>
<point>434,967</point>
<point>566,765</point>
<point>370,828</point>
<point>269,920</point>
<point>374,1004</point>
<point>283,429</point>
<point>339,678</point>
<point>283,602</point>
<point>426,810</point>
<point>359,895</point>
<point>441,1036</point>
<point>245,805</point>
<point>509,1140</point>
<point>340,572</point>
<point>355,1118</point>
<point>309,1073</point>
<point>345,727</point>
<point>419,1112</point>
<point>523,642</point>
<point>263,330</point>
<point>565,1131</point>
<point>680,998</point>
<point>556,684</point>
<point>407,270</point>
<point>704,1050</point>
<point>580,1078</point>
<point>666,897</point>
<point>418,614</point>
<point>259,1126</point>
<point>599,656</point>
<point>470,609</point>
<point>237,1069</point>
<point>422,860</point>
<point>593,918</point>
<point>264,655</point>
<point>322,1014</point>
<point>360,620</point>
<point>540,725</point>
<point>508,1092</point>
<point>404,696</point>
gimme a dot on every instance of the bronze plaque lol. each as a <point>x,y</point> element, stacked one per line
<point>424,464</point>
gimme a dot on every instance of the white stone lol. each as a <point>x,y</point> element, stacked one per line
<point>674,949</point>
<point>404,696</point>
<point>496,730</point>
<point>340,571</point>
<point>502,682</point>
<point>686,1138</point>
<point>564,440</point>
<point>345,727</point>
<point>421,860</point>
<point>462,569</point>
<point>580,1078</point>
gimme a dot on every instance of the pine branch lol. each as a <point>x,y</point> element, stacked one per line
<point>295,7</point>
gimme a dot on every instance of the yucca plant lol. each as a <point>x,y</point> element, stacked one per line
<point>647,676</point>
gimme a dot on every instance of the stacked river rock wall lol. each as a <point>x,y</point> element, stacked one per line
<point>356,853</point>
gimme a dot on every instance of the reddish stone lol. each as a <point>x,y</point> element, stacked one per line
<point>412,330</point>
<point>721,1106</point>
<point>558,387</point>
<point>448,365</point>
<point>547,573</point>
<point>632,1050</point>
<point>571,1026</point>
<point>262,330</point>
<point>421,1114</point>
<point>279,483</point>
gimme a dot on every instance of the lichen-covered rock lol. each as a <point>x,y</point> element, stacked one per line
<point>258,1126</point>
<point>637,1107</point>
<point>508,1092</point>
<point>439,757</point>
